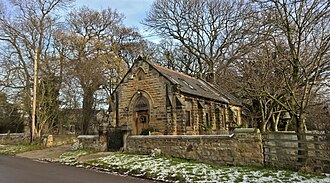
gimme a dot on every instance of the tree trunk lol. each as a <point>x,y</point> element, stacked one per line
<point>27,105</point>
<point>276,119</point>
<point>263,122</point>
<point>263,125</point>
<point>34,99</point>
<point>210,73</point>
<point>301,136</point>
<point>87,110</point>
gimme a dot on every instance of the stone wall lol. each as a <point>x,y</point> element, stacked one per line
<point>92,141</point>
<point>57,140</point>
<point>13,138</point>
<point>244,147</point>
<point>152,87</point>
<point>152,96</point>
<point>281,150</point>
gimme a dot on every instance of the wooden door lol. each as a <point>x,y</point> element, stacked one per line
<point>141,122</point>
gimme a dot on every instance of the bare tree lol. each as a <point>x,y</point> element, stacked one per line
<point>27,32</point>
<point>289,65</point>
<point>297,35</point>
<point>261,75</point>
<point>301,40</point>
<point>318,113</point>
<point>214,32</point>
<point>99,51</point>
<point>173,55</point>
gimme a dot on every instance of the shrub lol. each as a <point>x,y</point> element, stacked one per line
<point>146,131</point>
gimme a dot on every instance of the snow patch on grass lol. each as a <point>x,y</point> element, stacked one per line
<point>178,170</point>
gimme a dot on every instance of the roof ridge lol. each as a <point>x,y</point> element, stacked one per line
<point>188,88</point>
<point>180,73</point>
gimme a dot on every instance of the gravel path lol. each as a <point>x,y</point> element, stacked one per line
<point>53,152</point>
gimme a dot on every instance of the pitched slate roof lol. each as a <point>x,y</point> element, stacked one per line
<point>195,86</point>
<point>189,85</point>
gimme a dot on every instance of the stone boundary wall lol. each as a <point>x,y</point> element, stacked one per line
<point>57,140</point>
<point>13,135</point>
<point>92,141</point>
<point>243,147</point>
<point>12,138</point>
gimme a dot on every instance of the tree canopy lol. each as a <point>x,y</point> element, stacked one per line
<point>273,55</point>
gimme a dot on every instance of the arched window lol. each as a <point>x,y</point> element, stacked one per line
<point>217,118</point>
<point>141,104</point>
<point>188,113</point>
<point>207,116</point>
<point>140,74</point>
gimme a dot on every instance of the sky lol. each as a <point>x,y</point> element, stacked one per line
<point>134,10</point>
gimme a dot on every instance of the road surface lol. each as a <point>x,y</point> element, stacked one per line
<point>22,170</point>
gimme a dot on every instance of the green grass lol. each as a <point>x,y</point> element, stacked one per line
<point>16,149</point>
<point>181,170</point>
<point>72,156</point>
<point>239,179</point>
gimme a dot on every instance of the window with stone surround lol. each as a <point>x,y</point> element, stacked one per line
<point>188,113</point>
<point>200,112</point>
<point>141,104</point>
<point>188,122</point>
<point>223,118</point>
<point>207,116</point>
<point>230,118</point>
<point>140,74</point>
<point>235,115</point>
<point>217,118</point>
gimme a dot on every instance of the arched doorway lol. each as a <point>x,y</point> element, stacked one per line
<point>142,110</point>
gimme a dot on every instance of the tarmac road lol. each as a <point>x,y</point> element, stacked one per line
<point>22,170</point>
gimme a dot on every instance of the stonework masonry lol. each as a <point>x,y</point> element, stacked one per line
<point>151,96</point>
<point>240,148</point>
<point>57,140</point>
<point>150,87</point>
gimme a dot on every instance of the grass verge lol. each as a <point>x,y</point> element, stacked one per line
<point>178,170</point>
<point>16,149</point>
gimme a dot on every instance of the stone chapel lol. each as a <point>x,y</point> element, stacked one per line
<point>173,103</point>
